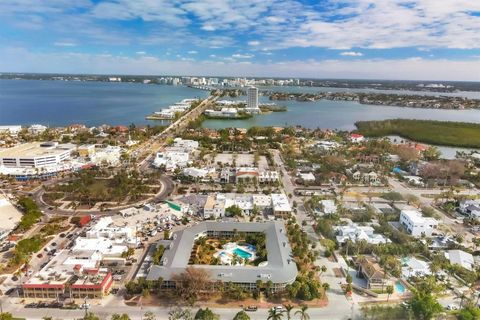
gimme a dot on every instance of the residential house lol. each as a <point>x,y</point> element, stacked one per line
<point>413,267</point>
<point>461,258</point>
<point>470,208</point>
<point>370,270</point>
<point>268,176</point>
<point>354,233</point>
<point>356,138</point>
<point>417,225</point>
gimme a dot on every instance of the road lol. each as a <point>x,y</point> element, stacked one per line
<point>161,313</point>
<point>160,141</point>
<point>338,307</point>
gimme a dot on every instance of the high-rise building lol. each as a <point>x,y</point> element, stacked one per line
<point>252,101</point>
<point>252,97</point>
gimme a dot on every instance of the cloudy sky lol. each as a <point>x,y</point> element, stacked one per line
<point>383,39</point>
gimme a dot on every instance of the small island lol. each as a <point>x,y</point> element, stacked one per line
<point>447,133</point>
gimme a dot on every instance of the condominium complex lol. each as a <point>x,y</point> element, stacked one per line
<point>280,268</point>
<point>252,100</point>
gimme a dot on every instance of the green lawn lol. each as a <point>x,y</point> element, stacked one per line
<point>457,134</point>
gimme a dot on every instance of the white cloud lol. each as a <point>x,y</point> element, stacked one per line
<point>141,53</point>
<point>192,52</point>
<point>64,44</point>
<point>242,56</point>
<point>208,28</point>
<point>351,54</point>
<point>164,11</point>
<point>276,24</point>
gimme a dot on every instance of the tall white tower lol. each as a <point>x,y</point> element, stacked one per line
<point>252,98</point>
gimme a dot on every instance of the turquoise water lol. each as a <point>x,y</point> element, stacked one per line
<point>399,287</point>
<point>59,103</point>
<point>242,253</point>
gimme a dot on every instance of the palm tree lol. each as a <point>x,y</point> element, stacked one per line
<point>323,269</point>
<point>389,291</point>
<point>303,313</point>
<point>288,308</point>
<point>325,287</point>
<point>274,314</point>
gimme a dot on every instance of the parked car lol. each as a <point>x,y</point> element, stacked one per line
<point>31,305</point>
<point>251,308</point>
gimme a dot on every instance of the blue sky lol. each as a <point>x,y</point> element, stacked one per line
<point>389,39</point>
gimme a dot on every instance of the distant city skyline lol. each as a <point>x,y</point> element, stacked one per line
<point>359,39</point>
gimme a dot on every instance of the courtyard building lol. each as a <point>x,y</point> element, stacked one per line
<point>279,268</point>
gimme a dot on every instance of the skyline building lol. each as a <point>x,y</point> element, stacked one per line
<point>252,101</point>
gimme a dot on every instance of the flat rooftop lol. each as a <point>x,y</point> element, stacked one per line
<point>280,267</point>
<point>35,149</point>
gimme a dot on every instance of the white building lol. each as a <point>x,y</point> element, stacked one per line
<point>280,205</point>
<point>416,224</point>
<point>198,172</point>
<point>172,160</point>
<point>326,145</point>
<point>104,228</point>
<point>356,138</point>
<point>214,207</point>
<point>307,177</point>
<point>470,208</point>
<point>35,155</point>
<point>412,267</point>
<point>461,258</point>
<point>13,130</point>
<point>109,155</point>
<point>268,176</point>
<point>252,101</point>
<point>11,216</point>
<point>36,129</point>
<point>328,206</point>
<point>261,201</point>
<point>223,113</point>
<point>187,145</point>
<point>354,233</point>
<point>166,113</point>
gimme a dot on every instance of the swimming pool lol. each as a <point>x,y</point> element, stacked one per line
<point>399,287</point>
<point>242,253</point>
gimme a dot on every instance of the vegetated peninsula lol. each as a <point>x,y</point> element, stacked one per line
<point>383,99</point>
<point>458,134</point>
